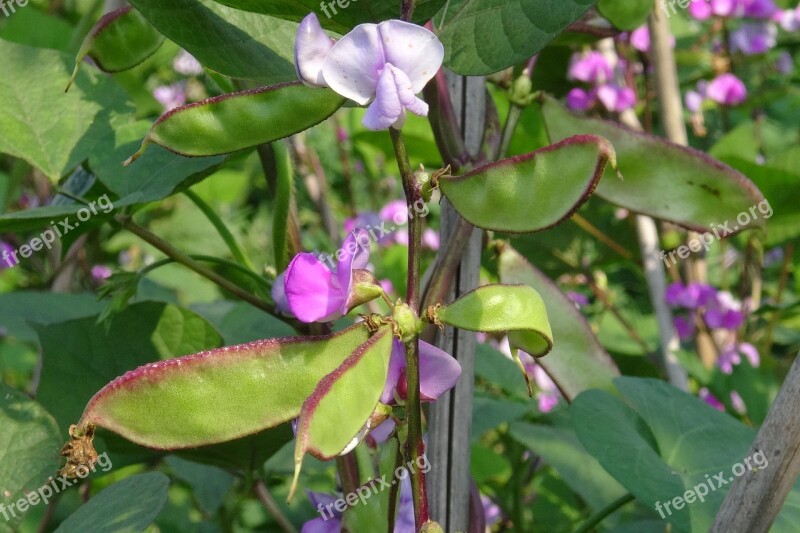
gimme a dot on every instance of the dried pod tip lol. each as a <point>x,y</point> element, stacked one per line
<point>79,451</point>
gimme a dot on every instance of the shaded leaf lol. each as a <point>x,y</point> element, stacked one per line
<point>626,14</point>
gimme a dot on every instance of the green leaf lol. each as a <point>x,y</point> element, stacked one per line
<point>228,41</point>
<point>337,16</point>
<point>578,362</point>
<point>80,356</point>
<point>660,442</point>
<point>29,442</point>
<point>343,401</point>
<point>557,180</point>
<point>625,14</point>
<point>219,395</point>
<point>236,121</point>
<point>18,310</point>
<point>119,41</point>
<point>659,178</point>
<point>53,131</point>
<point>486,36</point>
<point>560,448</point>
<point>517,309</point>
<point>127,506</point>
<point>209,484</point>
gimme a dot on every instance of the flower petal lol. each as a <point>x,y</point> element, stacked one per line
<point>310,51</point>
<point>413,49</point>
<point>356,257</point>
<point>321,525</point>
<point>279,294</point>
<point>406,92</point>
<point>354,64</point>
<point>310,292</point>
<point>387,108</point>
<point>438,371</point>
<point>397,363</point>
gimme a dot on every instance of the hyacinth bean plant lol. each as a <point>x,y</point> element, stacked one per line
<point>603,169</point>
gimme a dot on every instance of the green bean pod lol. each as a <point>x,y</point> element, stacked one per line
<point>119,41</point>
<point>218,395</point>
<point>531,192</point>
<point>240,120</point>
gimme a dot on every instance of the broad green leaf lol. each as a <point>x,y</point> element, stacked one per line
<point>486,36</point>
<point>338,16</point>
<point>218,395</point>
<point>659,178</point>
<point>239,322</point>
<point>578,362</point>
<point>342,402</point>
<point>119,41</point>
<point>236,121</point>
<point>373,514</point>
<point>660,442</point>
<point>51,130</point>
<point>29,442</point>
<point>560,448</point>
<point>127,506</point>
<point>517,309</point>
<point>18,310</point>
<point>33,27</point>
<point>231,42</point>
<point>625,14</point>
<point>209,484</point>
<point>532,192</point>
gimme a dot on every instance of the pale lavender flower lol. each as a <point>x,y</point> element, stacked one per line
<point>492,513</point>
<point>430,239</point>
<point>732,356</point>
<point>170,96</point>
<point>381,65</point>
<point>186,64</point>
<point>640,39</point>
<point>590,67</point>
<point>615,98</point>
<point>753,38</point>
<point>100,273</point>
<point>788,20</point>
<point>577,298</point>
<point>784,64</point>
<point>738,403</point>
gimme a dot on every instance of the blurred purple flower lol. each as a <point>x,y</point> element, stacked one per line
<point>7,259</point>
<point>784,64</point>
<point>710,399</point>
<point>590,67</point>
<point>773,257</point>
<point>640,39</point>
<point>727,89</point>
<point>684,326</point>
<point>170,96</point>
<point>438,373</point>
<point>492,512</point>
<point>738,403</point>
<point>314,293</point>
<point>395,211</point>
<point>549,395</point>
<point>186,64</point>
<point>689,296</point>
<point>753,38</point>
<point>694,101</point>
<point>759,9</point>
<point>724,312</point>
<point>430,239</point>
<point>367,220</point>
<point>100,273</point>
<point>615,98</point>
<point>387,286</point>
<point>580,100</point>
<point>577,298</point>
<point>788,19</point>
<point>330,520</point>
<point>732,356</point>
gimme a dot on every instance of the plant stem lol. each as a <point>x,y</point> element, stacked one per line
<point>408,9</point>
<point>415,445</point>
<point>210,259</point>
<point>272,507</point>
<point>221,228</point>
<point>184,259</point>
<point>602,514</point>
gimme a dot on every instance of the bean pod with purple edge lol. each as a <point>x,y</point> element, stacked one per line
<point>531,192</point>
<point>217,395</point>
<point>119,41</point>
<point>240,120</point>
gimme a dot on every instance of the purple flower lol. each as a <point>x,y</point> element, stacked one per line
<point>367,220</point>
<point>788,19</point>
<point>580,100</point>
<point>395,211</point>
<point>615,98</point>
<point>170,96</point>
<point>590,67</point>
<point>694,101</point>
<point>724,312</point>
<point>430,239</point>
<point>186,64</point>
<point>759,9</point>
<point>690,296</point>
<point>732,356</point>
<point>315,293</point>
<point>548,396</point>
<point>710,399</point>
<point>438,373</point>
<point>753,38</point>
<point>7,258</point>
<point>700,9</point>
<point>384,65</point>
<point>727,89</point>
<point>784,64</point>
<point>492,512</point>
<point>684,326</point>
<point>640,39</point>
<point>100,273</point>
<point>578,299</point>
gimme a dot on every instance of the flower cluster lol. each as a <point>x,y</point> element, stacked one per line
<point>177,94</point>
<point>381,65</point>
<point>593,68</point>
<point>719,312</point>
